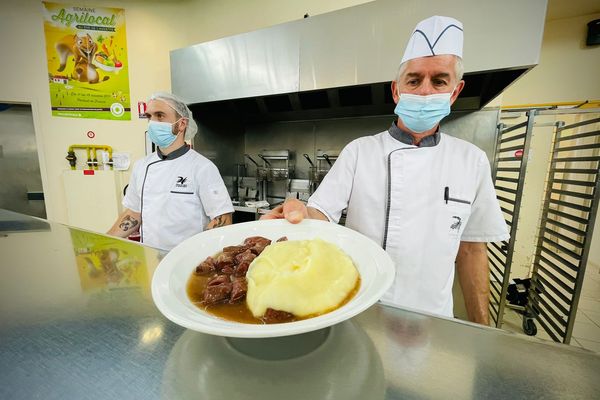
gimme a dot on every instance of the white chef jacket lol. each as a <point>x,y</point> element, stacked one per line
<point>177,196</point>
<point>395,194</point>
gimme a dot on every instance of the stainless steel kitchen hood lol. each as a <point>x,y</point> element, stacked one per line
<point>341,63</point>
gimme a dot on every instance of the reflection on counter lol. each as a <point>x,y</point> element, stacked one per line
<point>103,262</point>
<point>344,366</point>
<point>14,222</point>
<point>51,270</point>
<point>58,342</point>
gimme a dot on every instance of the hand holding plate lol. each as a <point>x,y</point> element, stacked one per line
<point>293,210</point>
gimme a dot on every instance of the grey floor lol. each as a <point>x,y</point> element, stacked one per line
<point>586,332</point>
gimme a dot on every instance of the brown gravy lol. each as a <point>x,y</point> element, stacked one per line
<point>240,312</point>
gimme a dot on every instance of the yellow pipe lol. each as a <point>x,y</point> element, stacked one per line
<point>95,158</point>
<point>93,148</point>
<point>583,104</point>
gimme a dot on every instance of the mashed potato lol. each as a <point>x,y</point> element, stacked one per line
<point>302,277</point>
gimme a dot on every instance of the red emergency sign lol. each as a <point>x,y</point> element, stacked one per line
<point>142,109</point>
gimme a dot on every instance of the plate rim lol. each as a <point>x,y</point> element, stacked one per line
<point>160,287</point>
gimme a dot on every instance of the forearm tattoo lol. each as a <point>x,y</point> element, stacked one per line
<point>128,223</point>
<point>218,222</point>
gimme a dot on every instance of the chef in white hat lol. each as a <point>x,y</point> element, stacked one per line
<point>427,197</point>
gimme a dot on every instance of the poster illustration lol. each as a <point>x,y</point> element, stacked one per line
<point>86,51</point>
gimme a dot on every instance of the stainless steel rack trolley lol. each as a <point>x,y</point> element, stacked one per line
<point>510,164</point>
<point>565,233</point>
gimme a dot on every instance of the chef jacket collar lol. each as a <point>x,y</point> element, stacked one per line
<point>174,154</point>
<point>406,138</point>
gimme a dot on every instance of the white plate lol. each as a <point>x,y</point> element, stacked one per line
<point>106,68</point>
<point>170,279</point>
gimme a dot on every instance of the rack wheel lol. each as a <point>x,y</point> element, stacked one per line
<point>529,327</point>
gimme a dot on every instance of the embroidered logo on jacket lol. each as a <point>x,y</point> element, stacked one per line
<point>456,224</point>
<point>181,182</point>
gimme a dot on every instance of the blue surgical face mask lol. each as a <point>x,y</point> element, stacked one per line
<point>421,113</point>
<point>161,133</point>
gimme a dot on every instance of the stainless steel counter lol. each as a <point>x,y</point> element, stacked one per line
<point>252,210</point>
<point>77,322</point>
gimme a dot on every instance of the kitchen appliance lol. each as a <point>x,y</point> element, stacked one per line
<point>314,176</point>
<point>300,189</point>
<point>240,172</point>
<point>276,170</point>
<point>248,186</point>
<point>277,166</point>
<point>324,161</point>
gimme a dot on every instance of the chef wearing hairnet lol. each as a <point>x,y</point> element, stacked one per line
<point>425,196</point>
<point>174,192</point>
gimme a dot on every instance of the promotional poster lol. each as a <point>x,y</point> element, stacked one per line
<point>86,51</point>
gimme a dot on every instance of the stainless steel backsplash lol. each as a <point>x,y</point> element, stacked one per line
<point>225,141</point>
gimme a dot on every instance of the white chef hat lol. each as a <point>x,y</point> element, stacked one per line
<point>434,36</point>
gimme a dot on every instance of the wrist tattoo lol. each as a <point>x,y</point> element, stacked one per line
<point>127,223</point>
<point>219,221</point>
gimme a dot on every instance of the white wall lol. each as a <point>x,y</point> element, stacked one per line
<point>568,69</point>
<point>153,29</point>
<point>594,255</point>
<point>23,78</point>
<point>213,19</point>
